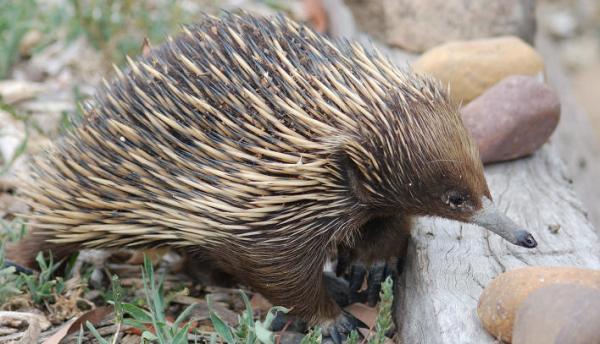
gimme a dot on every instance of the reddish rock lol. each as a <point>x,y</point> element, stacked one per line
<point>513,118</point>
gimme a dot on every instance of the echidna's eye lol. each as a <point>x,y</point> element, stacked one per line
<point>454,199</point>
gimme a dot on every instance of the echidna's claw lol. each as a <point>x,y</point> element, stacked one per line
<point>341,327</point>
<point>336,337</point>
<point>357,275</point>
<point>376,274</point>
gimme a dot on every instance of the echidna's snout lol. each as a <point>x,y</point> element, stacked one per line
<point>492,219</point>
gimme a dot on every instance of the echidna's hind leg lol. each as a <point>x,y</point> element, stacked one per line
<point>205,271</point>
<point>24,252</point>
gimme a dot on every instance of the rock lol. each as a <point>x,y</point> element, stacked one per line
<point>14,91</point>
<point>341,21</point>
<point>12,136</point>
<point>471,67</point>
<point>513,118</point>
<point>561,24</point>
<point>418,25</point>
<point>369,17</point>
<point>580,52</point>
<point>561,313</point>
<point>499,302</point>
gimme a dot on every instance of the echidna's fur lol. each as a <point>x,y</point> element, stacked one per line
<point>260,144</point>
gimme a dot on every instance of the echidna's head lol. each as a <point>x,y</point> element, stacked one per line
<point>415,156</point>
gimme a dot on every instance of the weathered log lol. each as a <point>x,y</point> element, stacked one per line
<point>448,264</point>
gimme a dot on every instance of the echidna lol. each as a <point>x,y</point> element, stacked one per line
<point>263,146</point>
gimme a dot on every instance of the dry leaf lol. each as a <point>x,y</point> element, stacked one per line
<point>316,15</point>
<point>364,313</point>
<point>94,316</point>
<point>35,322</point>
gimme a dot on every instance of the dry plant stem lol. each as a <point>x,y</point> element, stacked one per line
<point>116,335</point>
<point>285,327</point>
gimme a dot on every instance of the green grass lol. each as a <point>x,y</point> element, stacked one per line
<point>15,21</point>
<point>116,28</point>
<point>43,286</point>
<point>248,330</point>
<point>12,230</point>
<point>152,323</point>
<point>384,315</point>
<point>10,284</point>
<point>7,162</point>
<point>314,336</point>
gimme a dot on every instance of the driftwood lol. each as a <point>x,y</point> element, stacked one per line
<point>448,263</point>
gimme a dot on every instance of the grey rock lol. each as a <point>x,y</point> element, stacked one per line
<point>418,25</point>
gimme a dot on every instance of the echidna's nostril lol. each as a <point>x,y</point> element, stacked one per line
<point>525,239</point>
<point>530,241</point>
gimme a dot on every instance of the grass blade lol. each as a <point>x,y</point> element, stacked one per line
<point>222,329</point>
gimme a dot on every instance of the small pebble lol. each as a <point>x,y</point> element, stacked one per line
<point>554,228</point>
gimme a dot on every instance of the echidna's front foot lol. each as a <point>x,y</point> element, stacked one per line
<point>339,328</point>
<point>376,274</point>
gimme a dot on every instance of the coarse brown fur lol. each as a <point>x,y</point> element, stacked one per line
<point>261,144</point>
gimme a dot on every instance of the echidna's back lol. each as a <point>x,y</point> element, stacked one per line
<point>218,132</point>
